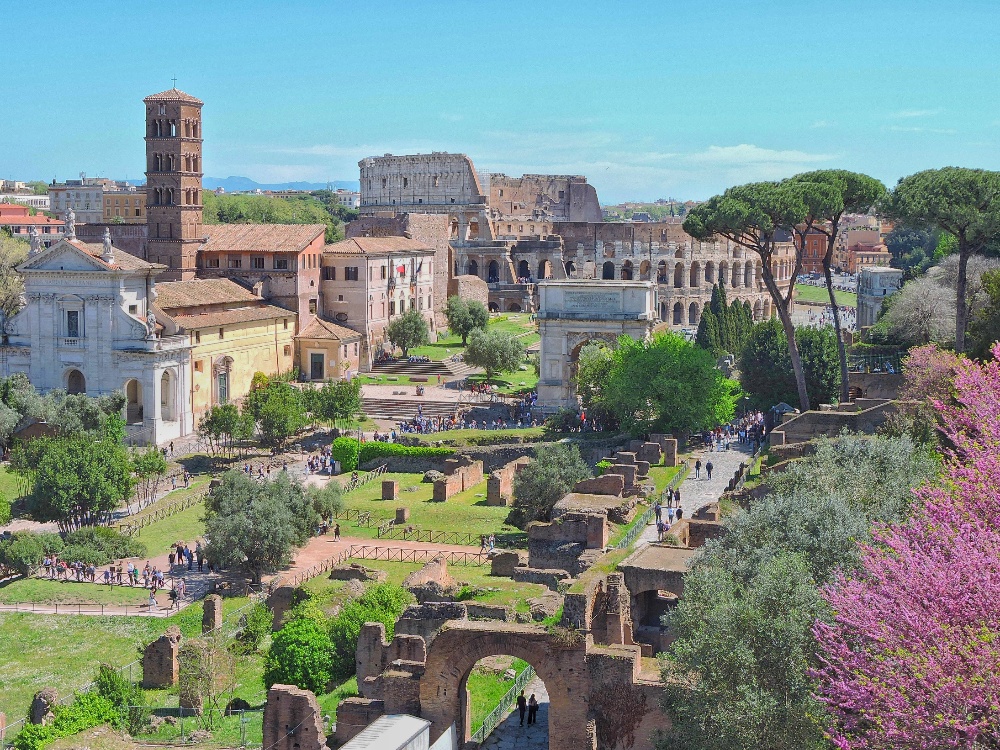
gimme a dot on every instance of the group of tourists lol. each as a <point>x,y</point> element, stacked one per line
<point>848,317</point>
<point>322,462</point>
<point>670,505</point>
<point>487,543</point>
<point>182,555</point>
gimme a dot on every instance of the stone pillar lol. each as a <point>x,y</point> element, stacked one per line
<point>159,660</point>
<point>211,617</point>
<point>279,602</point>
<point>292,720</point>
<point>402,515</point>
<point>390,489</point>
<point>41,706</point>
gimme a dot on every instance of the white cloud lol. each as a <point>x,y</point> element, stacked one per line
<point>914,129</point>
<point>910,113</point>
<point>747,154</point>
<point>822,124</point>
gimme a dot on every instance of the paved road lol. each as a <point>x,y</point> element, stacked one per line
<point>697,493</point>
<point>510,735</point>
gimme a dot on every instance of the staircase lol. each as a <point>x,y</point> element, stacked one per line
<point>447,369</point>
<point>400,410</point>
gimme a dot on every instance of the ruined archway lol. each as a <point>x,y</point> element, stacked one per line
<point>457,649</point>
<point>493,272</point>
<point>523,270</point>
<point>693,314</point>
<point>679,276</point>
<point>661,272</point>
<point>544,269</point>
<point>472,268</point>
<point>678,314</point>
<point>627,271</point>
<point>695,280</point>
<point>710,272</point>
<point>608,270</point>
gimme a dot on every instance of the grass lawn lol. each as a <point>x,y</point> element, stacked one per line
<point>525,379</point>
<point>662,475</point>
<point>10,483</point>
<point>186,526</point>
<point>44,591</point>
<point>818,294</point>
<point>466,511</point>
<point>449,345</point>
<point>487,686</point>
<point>63,651</point>
<point>328,701</point>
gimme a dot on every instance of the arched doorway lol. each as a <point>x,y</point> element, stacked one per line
<point>627,271</point>
<point>679,276</point>
<point>75,382</point>
<point>494,307</point>
<point>736,275</point>
<point>544,269</point>
<point>663,311</point>
<point>494,675</point>
<point>748,274</point>
<point>758,310</point>
<point>723,273</point>
<point>523,271</point>
<point>493,272</point>
<point>661,272</point>
<point>513,307</point>
<point>695,280</point>
<point>133,402</point>
<point>710,272</point>
<point>693,314</point>
<point>608,270</point>
<point>678,314</point>
<point>472,268</point>
<point>168,396</point>
<point>570,269</point>
<point>644,271</point>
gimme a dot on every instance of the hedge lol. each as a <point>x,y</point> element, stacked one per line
<point>351,454</point>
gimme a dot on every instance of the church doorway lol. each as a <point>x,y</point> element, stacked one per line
<point>75,382</point>
<point>133,403</point>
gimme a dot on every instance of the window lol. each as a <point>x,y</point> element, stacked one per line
<point>211,262</point>
<point>351,273</point>
<point>383,272</point>
<point>562,194</point>
<point>73,324</point>
<point>287,350</point>
<point>284,323</point>
<point>222,333</point>
<point>235,261</point>
<point>257,262</point>
<point>197,365</point>
<point>501,193</point>
<point>133,309</point>
<point>413,304</point>
<point>340,298</point>
<point>312,307</point>
<point>406,182</point>
<point>392,307</point>
<point>329,273</point>
<point>281,264</point>
<point>197,337</point>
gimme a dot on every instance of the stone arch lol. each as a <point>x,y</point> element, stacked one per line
<point>678,314</point>
<point>663,311</point>
<point>523,270</point>
<point>723,273</point>
<point>679,253</point>
<point>626,273</point>
<point>695,275</point>
<point>570,268</point>
<point>513,307</point>
<point>661,272</point>
<point>758,310</point>
<point>693,314</point>
<point>679,276</point>
<point>710,272</point>
<point>737,275</point>
<point>544,269</point>
<point>758,272</point>
<point>494,307</point>
<point>608,270</point>
<point>456,650</point>
<point>133,402</point>
<point>168,396</point>
<point>75,382</point>
<point>644,270</point>
<point>493,272</point>
<point>472,268</point>
<point>748,274</point>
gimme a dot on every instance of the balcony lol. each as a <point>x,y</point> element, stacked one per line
<point>75,342</point>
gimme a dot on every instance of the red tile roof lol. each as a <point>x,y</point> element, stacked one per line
<point>376,246</point>
<point>173,95</point>
<point>228,317</point>
<point>324,329</point>
<point>261,238</point>
<point>174,294</point>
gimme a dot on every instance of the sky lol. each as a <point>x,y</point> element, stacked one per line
<point>646,99</point>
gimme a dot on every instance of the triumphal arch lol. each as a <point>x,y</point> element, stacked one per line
<point>573,312</point>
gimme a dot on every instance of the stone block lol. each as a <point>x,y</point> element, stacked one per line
<point>211,616</point>
<point>390,489</point>
<point>625,457</point>
<point>402,515</point>
<point>292,720</point>
<point>489,612</point>
<point>356,572</point>
<point>606,484</point>
<point>42,705</point>
<point>503,563</point>
<point>650,452</point>
<point>550,578</point>
<point>669,447</point>
<point>279,602</point>
<point>628,472</point>
<point>159,660</point>
<point>354,715</point>
<point>641,468</point>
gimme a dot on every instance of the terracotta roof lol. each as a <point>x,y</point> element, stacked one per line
<point>324,329</point>
<point>123,261</point>
<point>228,317</point>
<point>173,294</point>
<point>375,246</point>
<point>173,95</point>
<point>260,238</point>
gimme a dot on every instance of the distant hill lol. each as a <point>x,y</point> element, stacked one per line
<point>243,184</point>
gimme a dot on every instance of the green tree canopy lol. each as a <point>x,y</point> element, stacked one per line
<point>666,384</point>
<point>544,482</point>
<point>495,351</point>
<point>278,409</point>
<point>300,655</point>
<point>985,329</point>
<point>408,330</point>
<point>465,316</point>
<point>962,202</point>
<point>593,366</point>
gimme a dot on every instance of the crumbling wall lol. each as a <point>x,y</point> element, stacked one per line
<point>461,474</point>
<point>292,720</point>
<point>159,660</point>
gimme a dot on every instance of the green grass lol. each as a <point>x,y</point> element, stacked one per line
<point>819,295</point>
<point>328,701</point>
<point>44,591</point>
<point>661,476</point>
<point>187,526</point>
<point>486,687</point>
<point>10,483</point>
<point>466,511</point>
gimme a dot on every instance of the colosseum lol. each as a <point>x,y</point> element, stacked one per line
<point>512,232</point>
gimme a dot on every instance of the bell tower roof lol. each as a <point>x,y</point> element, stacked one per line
<point>173,95</point>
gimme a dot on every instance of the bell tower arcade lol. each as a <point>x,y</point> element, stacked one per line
<point>173,182</point>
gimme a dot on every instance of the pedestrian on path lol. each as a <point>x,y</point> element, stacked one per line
<point>152,600</point>
<point>532,709</point>
<point>336,533</point>
<point>658,509</point>
<point>708,469</point>
<point>677,498</point>
<point>522,706</point>
<point>670,516</point>
<point>697,469</point>
<point>680,511</point>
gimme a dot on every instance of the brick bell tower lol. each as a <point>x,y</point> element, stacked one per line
<point>173,182</point>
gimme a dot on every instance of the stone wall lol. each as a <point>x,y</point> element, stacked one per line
<point>470,288</point>
<point>159,660</point>
<point>461,474</point>
<point>375,653</point>
<point>292,720</point>
<point>353,715</point>
<point>876,384</point>
<point>814,424</point>
<point>694,532</point>
<point>668,445</point>
<point>426,620</point>
<point>500,483</point>
<point>211,616</point>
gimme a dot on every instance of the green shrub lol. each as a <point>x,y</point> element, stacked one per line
<point>375,450</point>
<point>26,550</point>
<point>300,655</point>
<point>4,510</point>
<point>382,602</point>
<point>128,698</point>
<point>259,621</point>
<point>34,737</point>
<point>110,542</point>
<point>87,710</point>
<point>602,466</point>
<point>345,450</point>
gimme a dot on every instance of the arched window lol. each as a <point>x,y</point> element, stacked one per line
<point>627,271</point>
<point>75,382</point>
<point>608,270</point>
<point>678,314</point>
<point>661,272</point>
<point>710,272</point>
<point>693,314</point>
<point>679,276</point>
<point>133,402</point>
<point>544,270</point>
<point>473,268</point>
<point>493,272</point>
<point>523,271</point>
<point>695,280</point>
<point>570,268</point>
<point>168,400</point>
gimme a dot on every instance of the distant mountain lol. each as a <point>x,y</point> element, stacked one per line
<point>243,184</point>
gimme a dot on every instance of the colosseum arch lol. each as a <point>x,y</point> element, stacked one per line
<point>679,253</point>
<point>456,650</point>
<point>679,276</point>
<point>678,319</point>
<point>544,269</point>
<point>493,272</point>
<point>695,280</point>
<point>472,268</point>
<point>570,269</point>
<point>608,271</point>
<point>737,275</point>
<point>723,273</point>
<point>693,314</point>
<point>644,270</point>
<point>661,272</point>
<point>710,272</point>
<point>758,310</point>
<point>626,274</point>
<point>523,270</point>
<point>748,280</point>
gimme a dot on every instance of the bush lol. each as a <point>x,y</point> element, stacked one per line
<point>353,454</point>
<point>382,602</point>
<point>345,450</point>
<point>26,550</point>
<point>259,620</point>
<point>300,655</point>
<point>99,545</point>
<point>87,710</point>
<point>128,698</point>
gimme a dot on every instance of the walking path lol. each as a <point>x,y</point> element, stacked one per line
<point>697,493</point>
<point>510,735</point>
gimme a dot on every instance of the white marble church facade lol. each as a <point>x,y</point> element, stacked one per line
<point>88,327</point>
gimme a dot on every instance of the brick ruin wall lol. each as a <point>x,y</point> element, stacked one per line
<point>461,474</point>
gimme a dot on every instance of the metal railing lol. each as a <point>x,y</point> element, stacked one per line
<point>646,518</point>
<point>886,362</point>
<point>498,714</point>
<point>391,530</point>
<point>134,527</point>
<point>361,479</point>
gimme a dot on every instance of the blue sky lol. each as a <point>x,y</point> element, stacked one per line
<point>646,99</point>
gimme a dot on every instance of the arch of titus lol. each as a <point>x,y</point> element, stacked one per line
<point>573,312</point>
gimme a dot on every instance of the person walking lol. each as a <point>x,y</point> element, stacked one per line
<point>680,512</point>
<point>708,469</point>
<point>336,533</point>
<point>670,517</point>
<point>658,509</point>
<point>522,706</point>
<point>677,498</point>
<point>697,469</point>
<point>532,709</point>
